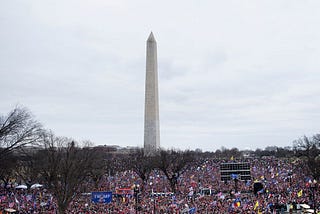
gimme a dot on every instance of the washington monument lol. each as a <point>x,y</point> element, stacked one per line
<point>151,111</point>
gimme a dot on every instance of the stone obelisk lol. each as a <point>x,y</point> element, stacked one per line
<point>151,114</point>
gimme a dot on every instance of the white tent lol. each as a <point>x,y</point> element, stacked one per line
<point>305,206</point>
<point>310,211</point>
<point>21,187</point>
<point>10,210</point>
<point>33,186</point>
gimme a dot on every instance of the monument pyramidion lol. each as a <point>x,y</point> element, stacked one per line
<point>151,114</point>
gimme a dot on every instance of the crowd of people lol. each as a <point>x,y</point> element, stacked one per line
<point>286,185</point>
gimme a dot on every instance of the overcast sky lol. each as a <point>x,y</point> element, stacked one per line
<point>242,74</point>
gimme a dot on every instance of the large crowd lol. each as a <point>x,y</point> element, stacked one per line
<point>286,186</point>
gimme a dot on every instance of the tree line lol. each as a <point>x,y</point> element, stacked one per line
<point>33,154</point>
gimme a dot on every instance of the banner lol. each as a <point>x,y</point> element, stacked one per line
<point>124,191</point>
<point>101,197</point>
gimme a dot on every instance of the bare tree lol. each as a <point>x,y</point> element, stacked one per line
<point>26,167</point>
<point>17,129</point>
<point>309,148</point>
<point>64,167</point>
<point>316,139</point>
<point>141,164</point>
<point>103,165</point>
<point>8,168</point>
<point>173,164</point>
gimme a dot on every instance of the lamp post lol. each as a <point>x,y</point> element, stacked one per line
<point>235,178</point>
<point>153,198</point>
<point>290,175</point>
<point>136,191</point>
<point>313,189</point>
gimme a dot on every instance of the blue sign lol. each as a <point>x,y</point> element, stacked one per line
<point>192,210</point>
<point>101,197</point>
<point>234,176</point>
